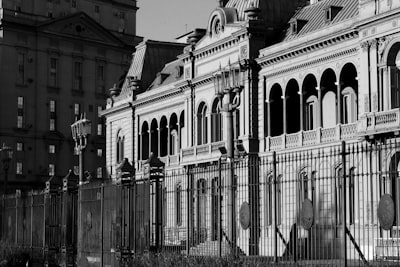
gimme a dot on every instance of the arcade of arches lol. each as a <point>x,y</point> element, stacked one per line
<point>309,104</point>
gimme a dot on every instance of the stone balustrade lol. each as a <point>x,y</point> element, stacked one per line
<point>309,138</point>
<point>381,122</point>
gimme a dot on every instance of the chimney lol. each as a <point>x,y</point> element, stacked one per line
<point>221,3</point>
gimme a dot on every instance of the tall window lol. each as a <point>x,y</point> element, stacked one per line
<point>99,172</point>
<point>202,122</point>
<point>178,204</point>
<point>99,121</point>
<point>20,146</point>
<point>52,169</point>
<point>216,123</point>
<point>20,112</point>
<point>53,72</point>
<point>278,200</point>
<point>100,78</point>
<point>303,187</point>
<point>338,194</point>
<point>52,149</point>
<point>120,148</point>
<point>77,75</point>
<point>269,200</point>
<point>77,111</point>
<point>21,68</point>
<point>311,113</point>
<point>52,121</point>
<point>349,108</point>
<point>19,168</point>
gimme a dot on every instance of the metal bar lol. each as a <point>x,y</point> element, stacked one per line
<point>102,225</point>
<point>219,188</point>
<point>344,221</point>
<point>357,247</point>
<point>275,221</point>
<point>188,196</point>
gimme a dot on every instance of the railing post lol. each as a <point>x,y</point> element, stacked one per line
<point>219,208</point>
<point>344,247</point>
<point>188,208</point>
<point>275,222</point>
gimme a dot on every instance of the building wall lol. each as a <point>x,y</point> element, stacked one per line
<point>39,45</point>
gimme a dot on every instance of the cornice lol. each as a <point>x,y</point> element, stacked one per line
<point>317,61</point>
<point>379,17</point>
<point>157,97</point>
<point>295,52</point>
<point>115,109</point>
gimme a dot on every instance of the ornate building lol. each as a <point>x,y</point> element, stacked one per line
<point>313,91</point>
<point>58,59</point>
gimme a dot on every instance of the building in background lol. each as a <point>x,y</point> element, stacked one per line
<point>317,73</point>
<point>58,59</point>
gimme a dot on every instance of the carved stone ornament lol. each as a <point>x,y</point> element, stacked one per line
<point>244,215</point>
<point>386,212</point>
<point>307,215</point>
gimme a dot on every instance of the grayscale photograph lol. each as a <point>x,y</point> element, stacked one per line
<point>199,133</point>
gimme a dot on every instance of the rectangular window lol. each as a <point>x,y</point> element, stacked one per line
<point>73,3</point>
<point>96,9</point>
<point>77,75</point>
<point>52,121</point>
<point>53,72</point>
<point>52,149</point>
<point>52,169</point>
<point>21,68</point>
<point>20,112</point>
<point>19,169</point>
<point>77,110</point>
<point>99,129</point>
<point>99,110</point>
<point>76,170</point>
<point>99,172</point>
<point>99,152</point>
<point>20,146</point>
<point>100,78</point>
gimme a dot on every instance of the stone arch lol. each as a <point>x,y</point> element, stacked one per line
<point>310,102</point>
<point>276,110</point>
<point>292,98</point>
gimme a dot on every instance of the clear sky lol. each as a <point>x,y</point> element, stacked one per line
<point>167,19</point>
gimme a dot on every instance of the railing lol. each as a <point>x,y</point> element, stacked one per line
<point>379,122</point>
<point>313,137</point>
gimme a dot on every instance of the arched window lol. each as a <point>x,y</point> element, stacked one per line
<point>269,200</point>
<point>349,90</point>
<point>310,103</point>
<point>145,141</point>
<point>120,147</point>
<point>202,124</point>
<point>276,110</point>
<point>216,122</point>
<point>393,63</point>
<point>338,194</point>
<point>178,204</point>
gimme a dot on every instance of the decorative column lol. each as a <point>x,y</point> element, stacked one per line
<point>339,102</point>
<point>301,111</point>
<point>284,114</point>
<point>268,117</point>
<point>319,119</point>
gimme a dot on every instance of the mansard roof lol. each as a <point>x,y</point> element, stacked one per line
<point>149,58</point>
<point>171,73</point>
<point>314,16</point>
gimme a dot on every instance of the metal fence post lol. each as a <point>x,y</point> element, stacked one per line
<point>344,247</point>
<point>219,208</point>
<point>275,221</point>
<point>188,226</point>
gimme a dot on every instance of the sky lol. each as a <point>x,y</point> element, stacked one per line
<point>165,20</point>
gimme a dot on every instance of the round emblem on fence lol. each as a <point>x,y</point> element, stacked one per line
<point>244,215</point>
<point>307,214</point>
<point>386,212</point>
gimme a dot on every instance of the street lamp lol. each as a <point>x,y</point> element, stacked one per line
<point>228,83</point>
<point>6,156</point>
<point>80,131</point>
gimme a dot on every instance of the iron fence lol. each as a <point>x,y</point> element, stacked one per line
<point>335,205</point>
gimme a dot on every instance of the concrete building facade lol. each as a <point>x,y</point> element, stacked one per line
<point>58,60</point>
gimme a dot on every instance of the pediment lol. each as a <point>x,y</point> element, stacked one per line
<point>80,26</point>
<point>210,38</point>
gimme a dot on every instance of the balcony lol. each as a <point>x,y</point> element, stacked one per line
<point>309,138</point>
<point>201,152</point>
<point>382,122</point>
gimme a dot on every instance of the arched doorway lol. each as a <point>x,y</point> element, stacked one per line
<point>310,103</point>
<point>173,136</point>
<point>202,124</point>
<point>154,137</point>
<point>201,210</point>
<point>393,63</point>
<point>348,94</point>
<point>163,137</point>
<point>145,140</point>
<point>328,94</point>
<point>216,122</point>
<point>292,107</point>
<point>276,110</point>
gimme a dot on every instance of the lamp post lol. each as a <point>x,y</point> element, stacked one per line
<point>6,156</point>
<point>228,83</point>
<point>80,131</point>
